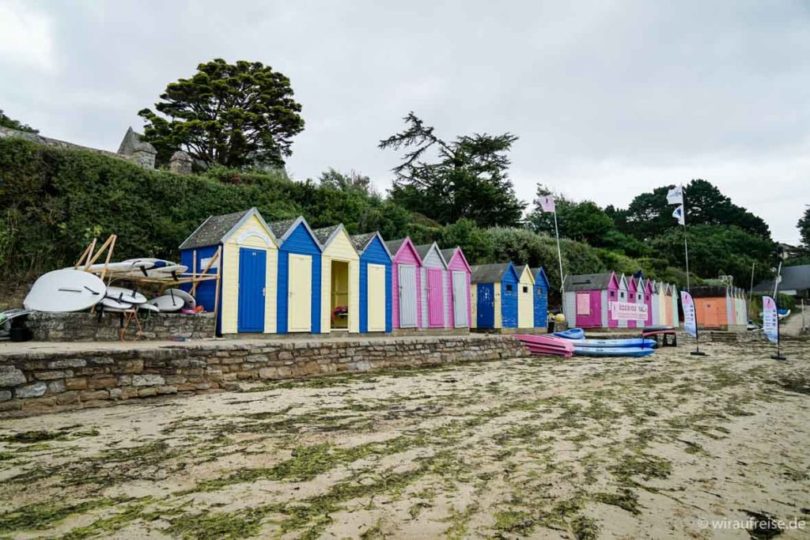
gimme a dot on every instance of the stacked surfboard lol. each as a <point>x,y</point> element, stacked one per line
<point>632,347</point>
<point>77,290</point>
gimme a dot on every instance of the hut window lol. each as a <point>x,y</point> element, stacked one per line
<point>525,289</point>
<point>613,294</point>
<point>508,287</point>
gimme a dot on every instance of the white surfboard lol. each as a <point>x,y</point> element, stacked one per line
<point>160,272</point>
<point>112,268</point>
<point>189,301</point>
<point>110,303</point>
<point>148,307</point>
<point>65,290</point>
<point>122,294</point>
<point>167,303</point>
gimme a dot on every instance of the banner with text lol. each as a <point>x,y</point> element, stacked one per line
<point>689,317</point>
<point>627,311</point>
<point>770,319</point>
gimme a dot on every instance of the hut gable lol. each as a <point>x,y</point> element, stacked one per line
<point>403,250</point>
<point>431,256</point>
<point>455,259</point>
<point>540,276</point>
<point>296,231</point>
<point>526,274</point>
<point>362,242</point>
<point>217,229</point>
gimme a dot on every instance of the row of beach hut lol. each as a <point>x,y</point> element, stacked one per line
<point>285,277</point>
<point>608,300</point>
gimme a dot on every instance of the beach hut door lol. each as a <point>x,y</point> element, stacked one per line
<point>376,298</point>
<point>460,299</point>
<point>252,280</point>
<point>407,296</point>
<point>300,293</point>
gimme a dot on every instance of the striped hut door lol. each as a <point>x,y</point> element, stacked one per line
<point>407,296</point>
<point>460,299</point>
<point>435,297</point>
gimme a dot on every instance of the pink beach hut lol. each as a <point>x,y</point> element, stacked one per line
<point>435,291</point>
<point>648,291</point>
<point>623,297</point>
<point>635,295</point>
<point>406,284</point>
<point>460,273</point>
<point>587,299</point>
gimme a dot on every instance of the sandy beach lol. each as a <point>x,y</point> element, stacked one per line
<point>672,446</point>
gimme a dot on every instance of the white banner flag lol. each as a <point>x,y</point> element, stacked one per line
<point>547,203</point>
<point>689,317</point>
<point>770,319</point>
<point>675,195</point>
<point>678,214</point>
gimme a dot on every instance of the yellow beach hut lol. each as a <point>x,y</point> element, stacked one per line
<point>526,298</point>
<point>340,282</point>
<point>246,302</point>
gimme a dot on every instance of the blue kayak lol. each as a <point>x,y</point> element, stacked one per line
<point>571,333</point>
<point>612,351</point>
<point>644,343</point>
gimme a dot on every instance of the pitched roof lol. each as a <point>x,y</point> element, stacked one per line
<point>422,249</point>
<point>587,282</point>
<point>448,253</point>
<point>489,273</point>
<point>539,270</point>
<point>394,245</point>
<point>324,234</point>
<point>794,278</point>
<point>281,227</point>
<point>214,229</point>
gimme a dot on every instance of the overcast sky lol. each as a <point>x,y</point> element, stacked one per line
<point>609,99</point>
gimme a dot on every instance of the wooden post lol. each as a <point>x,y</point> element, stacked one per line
<point>88,252</point>
<point>216,292</point>
<point>104,246</point>
<point>109,256</point>
<point>211,261</point>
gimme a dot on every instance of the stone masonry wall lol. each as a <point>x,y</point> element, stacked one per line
<point>88,326</point>
<point>37,382</point>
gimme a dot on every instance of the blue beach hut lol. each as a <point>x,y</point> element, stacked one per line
<point>540,298</point>
<point>299,277</point>
<point>375,283</point>
<point>247,264</point>
<point>495,296</point>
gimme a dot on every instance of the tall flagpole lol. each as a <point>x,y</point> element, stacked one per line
<point>685,244</point>
<point>559,255</point>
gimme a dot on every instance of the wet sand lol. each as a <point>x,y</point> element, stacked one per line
<point>543,448</point>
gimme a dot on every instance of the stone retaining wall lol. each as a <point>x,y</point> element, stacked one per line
<point>89,327</point>
<point>32,382</point>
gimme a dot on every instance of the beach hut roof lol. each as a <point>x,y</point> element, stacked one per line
<point>361,241</point>
<point>394,245</point>
<point>540,271</point>
<point>587,282</point>
<point>490,273</point>
<point>424,249</point>
<point>325,234</point>
<point>283,228</point>
<point>449,253</point>
<point>216,229</point>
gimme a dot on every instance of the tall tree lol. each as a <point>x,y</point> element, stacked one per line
<point>352,181</point>
<point>236,115</point>
<point>649,214</point>
<point>804,228</point>
<point>467,177</point>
